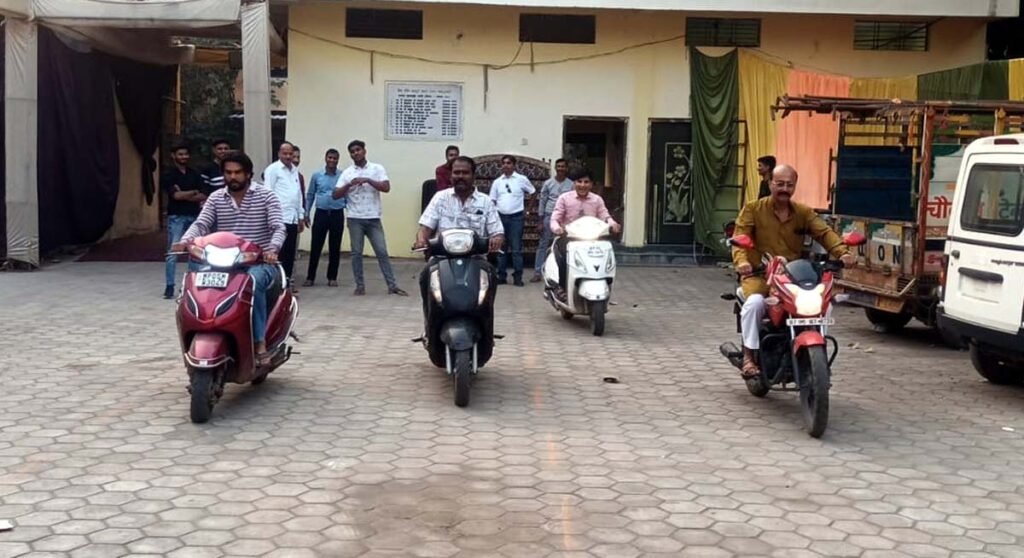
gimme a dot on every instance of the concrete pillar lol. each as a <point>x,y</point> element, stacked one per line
<point>256,82</point>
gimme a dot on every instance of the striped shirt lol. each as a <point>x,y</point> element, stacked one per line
<point>213,176</point>
<point>257,220</point>
<point>446,211</point>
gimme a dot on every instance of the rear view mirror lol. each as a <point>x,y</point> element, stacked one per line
<point>854,238</point>
<point>742,241</point>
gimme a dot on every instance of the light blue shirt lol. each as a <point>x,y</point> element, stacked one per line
<point>321,188</point>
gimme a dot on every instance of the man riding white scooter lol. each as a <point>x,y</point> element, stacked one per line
<point>571,206</point>
<point>778,227</point>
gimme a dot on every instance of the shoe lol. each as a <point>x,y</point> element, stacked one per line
<point>308,283</point>
<point>332,283</point>
<point>169,292</point>
<point>519,282</point>
<point>397,291</point>
<point>537,278</point>
<point>360,291</point>
<point>503,280</point>
<point>560,294</point>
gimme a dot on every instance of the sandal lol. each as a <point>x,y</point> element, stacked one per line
<point>750,369</point>
<point>264,359</point>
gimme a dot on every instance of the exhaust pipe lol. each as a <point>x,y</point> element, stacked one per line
<point>732,353</point>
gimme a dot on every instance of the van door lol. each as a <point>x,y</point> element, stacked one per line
<point>985,276</point>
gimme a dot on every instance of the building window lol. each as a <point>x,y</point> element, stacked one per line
<point>705,31</point>
<point>891,35</point>
<point>383,24</point>
<point>557,28</point>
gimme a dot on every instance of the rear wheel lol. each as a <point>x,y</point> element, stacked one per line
<point>887,322</point>
<point>815,379</point>
<point>462,376</point>
<point>566,315</point>
<point>996,370</point>
<point>202,387</point>
<point>597,312</point>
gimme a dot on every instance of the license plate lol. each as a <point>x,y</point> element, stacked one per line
<point>211,280</point>
<point>797,322</point>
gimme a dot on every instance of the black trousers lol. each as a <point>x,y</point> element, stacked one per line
<point>561,243</point>
<point>288,249</point>
<point>328,224</point>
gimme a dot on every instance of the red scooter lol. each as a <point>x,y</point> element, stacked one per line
<point>795,345</point>
<point>215,320</point>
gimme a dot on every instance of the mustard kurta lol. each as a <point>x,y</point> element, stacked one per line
<point>773,236</point>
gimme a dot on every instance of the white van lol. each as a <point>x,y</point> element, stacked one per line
<point>983,292</point>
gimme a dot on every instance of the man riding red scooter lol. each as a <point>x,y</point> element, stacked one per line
<point>235,313</point>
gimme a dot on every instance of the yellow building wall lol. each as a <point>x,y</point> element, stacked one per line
<point>333,100</point>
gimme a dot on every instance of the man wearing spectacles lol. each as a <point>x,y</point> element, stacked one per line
<point>509,193</point>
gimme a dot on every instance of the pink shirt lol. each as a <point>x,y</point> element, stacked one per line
<point>570,207</point>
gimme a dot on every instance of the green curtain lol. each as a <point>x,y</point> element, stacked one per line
<point>714,108</point>
<point>985,81</point>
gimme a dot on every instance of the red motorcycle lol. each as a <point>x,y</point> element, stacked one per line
<point>795,345</point>
<point>215,320</point>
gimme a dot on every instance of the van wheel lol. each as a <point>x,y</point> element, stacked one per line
<point>887,322</point>
<point>996,370</point>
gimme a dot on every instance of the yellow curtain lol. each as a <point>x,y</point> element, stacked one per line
<point>1017,80</point>
<point>761,83</point>
<point>904,88</point>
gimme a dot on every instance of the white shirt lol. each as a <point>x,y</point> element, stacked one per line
<point>508,192</point>
<point>446,211</point>
<point>284,182</point>
<point>363,200</point>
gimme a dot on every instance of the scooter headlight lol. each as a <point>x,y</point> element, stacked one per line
<point>578,263</point>
<point>457,242</point>
<point>435,285</point>
<point>485,284</point>
<point>221,257</point>
<point>608,267</point>
<point>809,302</point>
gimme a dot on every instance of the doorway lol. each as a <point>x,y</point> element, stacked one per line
<point>599,144</point>
<point>669,183</point>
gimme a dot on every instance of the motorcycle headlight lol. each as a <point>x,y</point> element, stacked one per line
<point>808,301</point>
<point>457,242</point>
<point>435,285</point>
<point>221,257</point>
<point>485,283</point>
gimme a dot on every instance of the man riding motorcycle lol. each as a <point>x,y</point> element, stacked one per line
<point>461,207</point>
<point>778,226</point>
<point>571,206</point>
<point>252,212</point>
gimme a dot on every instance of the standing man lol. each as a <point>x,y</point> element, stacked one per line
<point>282,177</point>
<point>508,192</point>
<point>549,194</point>
<point>213,175</point>
<point>765,166</point>
<point>329,221</point>
<point>185,194</point>
<point>363,182</point>
<point>443,173</point>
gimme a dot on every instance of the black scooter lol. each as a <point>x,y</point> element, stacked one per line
<point>458,286</point>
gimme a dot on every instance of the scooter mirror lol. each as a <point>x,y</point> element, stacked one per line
<point>854,238</point>
<point>742,241</point>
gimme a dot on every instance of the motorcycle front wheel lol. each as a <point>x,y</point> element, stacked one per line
<point>815,380</point>
<point>462,376</point>
<point>203,388</point>
<point>597,312</point>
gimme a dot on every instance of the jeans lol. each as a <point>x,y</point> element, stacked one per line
<point>513,224</point>
<point>289,249</point>
<point>176,227</point>
<point>358,229</point>
<point>262,277</point>
<point>326,222</point>
<point>546,236</point>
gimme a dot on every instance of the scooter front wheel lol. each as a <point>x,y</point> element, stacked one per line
<point>815,380</point>
<point>202,386</point>
<point>462,377</point>
<point>597,312</point>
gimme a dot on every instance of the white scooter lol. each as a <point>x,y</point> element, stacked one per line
<point>590,264</point>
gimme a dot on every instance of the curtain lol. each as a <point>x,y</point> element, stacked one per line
<point>140,90</point>
<point>3,150</point>
<point>805,140</point>
<point>714,99</point>
<point>1016,80</point>
<point>761,83</point>
<point>986,81</point>
<point>79,163</point>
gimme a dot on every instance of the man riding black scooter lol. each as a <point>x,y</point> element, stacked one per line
<point>457,230</point>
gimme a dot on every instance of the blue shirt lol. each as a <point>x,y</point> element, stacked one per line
<point>321,188</point>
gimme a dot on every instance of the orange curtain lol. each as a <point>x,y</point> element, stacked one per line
<point>804,140</point>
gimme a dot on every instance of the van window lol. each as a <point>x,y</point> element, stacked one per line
<point>994,200</point>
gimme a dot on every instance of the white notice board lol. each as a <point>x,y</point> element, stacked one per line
<point>424,110</point>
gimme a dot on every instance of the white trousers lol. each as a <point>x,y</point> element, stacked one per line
<point>750,321</point>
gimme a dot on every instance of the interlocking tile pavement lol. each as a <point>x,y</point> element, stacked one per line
<point>354,448</point>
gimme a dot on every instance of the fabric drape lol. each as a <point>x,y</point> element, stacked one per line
<point>761,82</point>
<point>140,90</point>
<point>986,81</point>
<point>714,99</point>
<point>79,164</point>
<point>1016,79</point>
<point>804,139</point>
<point>3,150</point>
